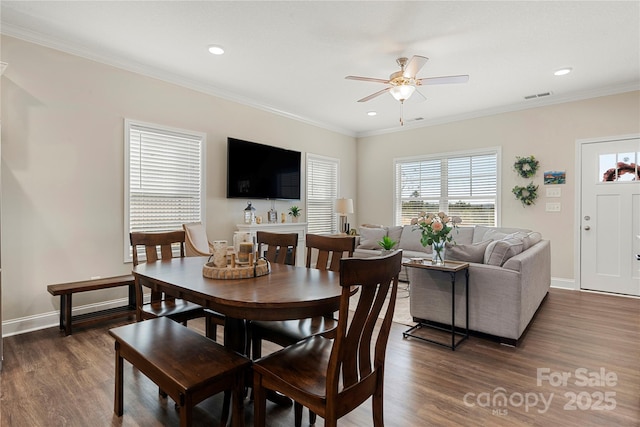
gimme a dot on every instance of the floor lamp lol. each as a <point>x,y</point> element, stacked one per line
<point>344,207</point>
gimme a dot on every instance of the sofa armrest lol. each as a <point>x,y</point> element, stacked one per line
<point>530,260</point>
<point>535,266</point>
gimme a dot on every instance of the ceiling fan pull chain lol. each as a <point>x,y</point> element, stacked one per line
<point>401,113</point>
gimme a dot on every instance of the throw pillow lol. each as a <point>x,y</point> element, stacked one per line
<point>499,251</point>
<point>369,237</point>
<point>467,253</point>
<point>410,239</point>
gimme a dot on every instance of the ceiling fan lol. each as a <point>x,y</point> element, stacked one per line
<point>403,83</point>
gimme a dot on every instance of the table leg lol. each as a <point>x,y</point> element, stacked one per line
<point>65,307</point>
<point>235,337</point>
<point>132,296</point>
<point>453,311</point>
<point>235,334</point>
<point>467,305</point>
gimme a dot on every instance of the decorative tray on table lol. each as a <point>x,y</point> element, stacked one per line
<point>236,271</point>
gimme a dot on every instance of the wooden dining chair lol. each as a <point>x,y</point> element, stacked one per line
<point>334,375</point>
<point>280,247</point>
<point>330,250</point>
<point>159,246</point>
<point>287,332</point>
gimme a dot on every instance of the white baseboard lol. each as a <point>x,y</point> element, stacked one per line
<point>560,283</point>
<point>52,319</point>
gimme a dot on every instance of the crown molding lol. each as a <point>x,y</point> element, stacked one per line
<point>530,104</point>
<point>82,51</point>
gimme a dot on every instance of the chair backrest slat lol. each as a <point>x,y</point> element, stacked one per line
<point>330,250</point>
<point>281,247</point>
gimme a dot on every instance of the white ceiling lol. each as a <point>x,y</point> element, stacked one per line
<point>292,57</point>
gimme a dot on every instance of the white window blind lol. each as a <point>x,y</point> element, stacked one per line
<point>322,192</point>
<point>460,184</point>
<point>163,179</point>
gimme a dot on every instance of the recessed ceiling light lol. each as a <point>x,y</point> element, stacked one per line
<point>371,113</point>
<point>562,71</point>
<point>216,50</point>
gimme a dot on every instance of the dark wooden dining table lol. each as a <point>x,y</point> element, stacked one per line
<point>287,292</point>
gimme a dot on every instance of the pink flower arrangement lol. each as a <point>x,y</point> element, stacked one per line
<point>435,228</point>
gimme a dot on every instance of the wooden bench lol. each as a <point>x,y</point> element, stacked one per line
<point>184,364</point>
<point>66,290</point>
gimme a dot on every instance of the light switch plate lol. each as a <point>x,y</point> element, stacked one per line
<point>554,192</point>
<point>553,207</point>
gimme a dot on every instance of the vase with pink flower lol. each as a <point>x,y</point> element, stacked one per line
<point>436,231</point>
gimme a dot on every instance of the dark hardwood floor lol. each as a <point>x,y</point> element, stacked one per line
<point>592,340</point>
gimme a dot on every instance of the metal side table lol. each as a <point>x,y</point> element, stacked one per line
<point>452,268</point>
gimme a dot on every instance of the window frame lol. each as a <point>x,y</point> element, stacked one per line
<point>497,151</point>
<point>335,162</point>
<point>129,126</point>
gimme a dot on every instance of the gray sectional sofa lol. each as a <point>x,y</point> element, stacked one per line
<point>509,276</point>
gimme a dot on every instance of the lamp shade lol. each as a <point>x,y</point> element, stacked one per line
<point>402,92</point>
<point>344,206</point>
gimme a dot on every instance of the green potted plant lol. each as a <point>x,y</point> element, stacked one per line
<point>387,244</point>
<point>295,212</point>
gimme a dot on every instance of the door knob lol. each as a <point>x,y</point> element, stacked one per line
<point>586,227</point>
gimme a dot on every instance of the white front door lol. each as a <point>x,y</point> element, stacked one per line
<point>610,216</point>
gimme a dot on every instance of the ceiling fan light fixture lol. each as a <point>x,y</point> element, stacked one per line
<point>402,92</point>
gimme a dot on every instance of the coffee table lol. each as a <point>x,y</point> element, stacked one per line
<point>452,268</point>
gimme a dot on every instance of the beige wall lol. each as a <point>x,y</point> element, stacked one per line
<point>62,167</point>
<point>549,133</point>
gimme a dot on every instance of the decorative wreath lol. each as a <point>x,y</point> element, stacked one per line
<point>527,195</point>
<point>526,166</point>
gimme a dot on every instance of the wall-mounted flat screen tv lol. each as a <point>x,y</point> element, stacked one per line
<point>259,171</point>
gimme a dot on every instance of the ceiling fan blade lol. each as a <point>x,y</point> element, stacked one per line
<point>367,79</point>
<point>373,95</point>
<point>414,65</point>
<point>443,80</point>
<point>417,96</point>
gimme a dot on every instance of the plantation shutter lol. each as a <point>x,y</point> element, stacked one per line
<point>164,183</point>
<point>461,185</point>
<point>322,192</point>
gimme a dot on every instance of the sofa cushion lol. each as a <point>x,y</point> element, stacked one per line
<point>369,237</point>
<point>463,235</point>
<point>395,233</point>
<point>410,239</point>
<point>499,251</point>
<point>530,239</point>
<point>494,235</point>
<point>483,232</point>
<point>467,253</point>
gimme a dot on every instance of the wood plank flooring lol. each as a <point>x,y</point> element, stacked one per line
<point>52,380</point>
